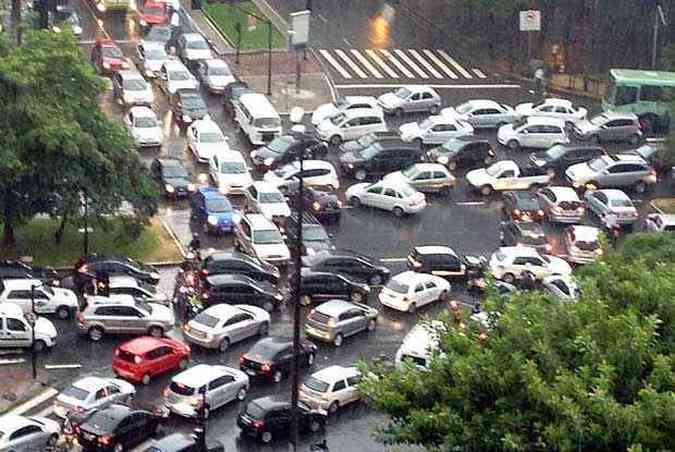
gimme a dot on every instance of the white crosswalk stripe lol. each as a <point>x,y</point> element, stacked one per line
<point>392,59</point>
<point>479,73</point>
<point>425,63</point>
<point>364,61</point>
<point>375,57</point>
<point>439,63</point>
<point>455,64</point>
<point>326,54</point>
<point>411,63</point>
<point>354,67</point>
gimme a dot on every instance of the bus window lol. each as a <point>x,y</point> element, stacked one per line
<point>625,95</point>
<point>651,93</point>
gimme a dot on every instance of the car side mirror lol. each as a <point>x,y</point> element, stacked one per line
<point>164,77</point>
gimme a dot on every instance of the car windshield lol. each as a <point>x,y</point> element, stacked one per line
<point>140,304</point>
<point>197,44</point>
<point>218,205</point>
<point>254,410</point>
<point>280,144</point>
<point>621,202</point>
<point>313,233</point>
<point>406,191</point>
<point>409,172</point>
<point>338,119</point>
<point>175,172</point>
<point>206,319</point>
<point>316,385</point>
<point>366,140</point>
<point>158,34</point>
<point>193,102</point>
<point>134,85</point>
<point>267,123</point>
<point>147,287</point>
<point>232,168</point>
<point>111,52</point>
<point>371,151</point>
<point>598,164</point>
<point>555,152</point>
<point>528,201</point>
<point>426,124</point>
<point>267,237</point>
<point>179,75</point>
<point>402,93</point>
<point>75,393</point>
<point>397,286</point>
<point>220,71</point>
<point>599,120</point>
<point>452,145</point>
<point>181,389</point>
<point>156,53</point>
<point>211,137</point>
<point>463,108</point>
<point>103,419</point>
<point>494,169</point>
<point>270,197</point>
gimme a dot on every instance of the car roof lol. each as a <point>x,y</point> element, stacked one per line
<point>227,278</point>
<point>174,64</point>
<point>430,167</point>
<point>484,103</point>
<point>558,101</point>
<point>360,99</point>
<point>585,233</point>
<point>191,92</point>
<point>143,344</point>
<point>122,281</point>
<point>529,226</point>
<point>90,384</point>
<point>98,300</point>
<point>520,195</point>
<point>153,45</point>
<point>435,249</point>
<point>563,193</point>
<point>332,373</point>
<point>418,88</point>
<point>334,308</point>
<point>259,221</point>
<point>628,158</point>
<point>222,310</point>
<point>273,342</point>
<point>545,120</point>
<point>12,422</point>
<point>215,62</point>
<point>618,115</point>
<point>229,255</point>
<point>231,156</point>
<point>264,186</point>
<point>518,251</point>
<point>206,124</point>
<point>141,111</point>
<point>359,112</point>
<point>24,283</point>
<point>422,335</point>
<point>411,277</point>
<point>613,193</point>
<point>312,164</point>
<point>11,309</point>
<point>270,402</point>
<point>199,375</point>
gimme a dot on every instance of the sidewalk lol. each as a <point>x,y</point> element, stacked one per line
<point>18,391</point>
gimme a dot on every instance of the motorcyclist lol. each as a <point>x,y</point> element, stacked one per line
<point>195,244</point>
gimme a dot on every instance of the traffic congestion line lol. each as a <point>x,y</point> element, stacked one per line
<point>435,86</point>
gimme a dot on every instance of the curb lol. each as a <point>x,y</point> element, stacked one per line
<point>175,240</point>
<point>36,398</point>
<point>208,19</point>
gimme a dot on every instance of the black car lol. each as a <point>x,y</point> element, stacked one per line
<point>518,233</point>
<point>322,286</point>
<point>443,261</point>
<point>322,201</point>
<point>315,239</point>
<point>369,139</point>
<point>119,265</point>
<point>172,177</point>
<point>521,206</point>
<point>187,105</point>
<point>464,152</point>
<point>267,418</point>
<point>286,148</point>
<point>558,158</point>
<point>232,93</point>
<point>116,427</point>
<point>240,289</point>
<point>348,263</point>
<point>239,264</point>
<point>182,442</point>
<point>379,158</point>
<point>11,269</point>
<point>272,358</point>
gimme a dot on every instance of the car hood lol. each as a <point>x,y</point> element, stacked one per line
<point>197,112</point>
<point>45,327</point>
<point>276,249</point>
<point>207,150</point>
<point>390,100</point>
<point>318,245</point>
<point>148,133</point>
<point>154,65</point>
<point>322,112</point>
<point>395,177</point>
<point>524,108</point>
<point>580,172</point>
<point>351,157</point>
<point>176,181</point>
<point>275,210</point>
<point>585,126</point>
<point>477,177</point>
<point>175,85</point>
<point>272,178</point>
<point>559,266</point>
<point>220,80</point>
<point>356,189</point>
<point>198,54</point>
<point>65,296</point>
<point>350,146</point>
<point>506,130</point>
<point>243,179</point>
<point>411,129</point>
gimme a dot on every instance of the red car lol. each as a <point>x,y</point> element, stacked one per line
<point>107,57</point>
<point>154,13</point>
<point>140,359</point>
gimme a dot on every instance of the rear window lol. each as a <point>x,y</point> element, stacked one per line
<point>414,359</point>
<point>126,356</point>
<point>103,421</point>
<point>263,351</point>
<point>397,286</point>
<point>75,393</point>
<point>255,411</point>
<point>206,319</point>
<point>181,389</point>
<point>316,385</point>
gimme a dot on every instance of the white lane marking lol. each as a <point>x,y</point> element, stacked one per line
<point>425,63</point>
<point>354,67</point>
<point>471,203</point>
<point>46,412</point>
<point>392,59</point>
<point>12,361</point>
<point>393,259</point>
<point>334,63</point>
<point>435,86</point>
<point>62,366</point>
<point>323,19</point>
<point>366,64</point>
<point>439,63</point>
<point>479,73</point>
<point>410,63</point>
<point>371,53</point>
<point>455,64</point>
<point>346,42</point>
<point>35,401</point>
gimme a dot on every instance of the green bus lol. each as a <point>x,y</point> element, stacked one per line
<point>648,94</point>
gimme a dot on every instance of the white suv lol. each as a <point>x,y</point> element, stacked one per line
<point>331,388</point>
<point>48,300</point>
<point>351,125</point>
<point>16,330</point>
<point>533,132</point>
<point>257,236</point>
<point>265,198</point>
<point>229,172</point>
<point>509,263</point>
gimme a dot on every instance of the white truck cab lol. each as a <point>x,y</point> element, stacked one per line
<point>16,330</point>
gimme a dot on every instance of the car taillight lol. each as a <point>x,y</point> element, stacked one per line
<point>196,402</point>
<point>516,212</point>
<point>205,295</point>
<point>652,173</point>
<point>635,214</point>
<point>548,247</point>
<point>105,439</point>
<point>117,352</point>
<point>540,213</point>
<point>76,429</point>
<point>138,359</point>
<point>416,264</point>
<point>165,393</point>
<point>258,424</point>
<point>580,209</point>
<point>205,272</point>
<point>266,367</point>
<point>80,318</point>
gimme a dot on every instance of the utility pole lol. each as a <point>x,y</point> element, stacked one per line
<point>658,16</point>
<point>33,354</point>
<point>16,21</point>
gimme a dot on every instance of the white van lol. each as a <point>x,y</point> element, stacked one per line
<point>420,343</point>
<point>351,125</point>
<point>257,118</point>
<point>16,330</point>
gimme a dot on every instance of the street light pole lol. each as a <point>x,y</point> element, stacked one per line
<point>33,355</point>
<point>86,224</point>
<point>269,57</point>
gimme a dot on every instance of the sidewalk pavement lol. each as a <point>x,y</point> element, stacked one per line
<point>18,391</point>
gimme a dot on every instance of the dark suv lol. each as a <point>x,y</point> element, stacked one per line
<point>187,105</point>
<point>348,263</point>
<point>239,264</point>
<point>231,94</point>
<point>561,156</point>
<point>389,136</point>
<point>322,201</point>
<point>315,239</point>
<point>272,357</point>
<point>285,148</point>
<point>240,289</point>
<point>521,206</point>
<point>321,286</point>
<point>463,152</point>
<point>379,158</point>
<point>444,261</point>
<point>267,418</point>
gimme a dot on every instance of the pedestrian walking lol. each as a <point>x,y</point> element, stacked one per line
<point>540,82</point>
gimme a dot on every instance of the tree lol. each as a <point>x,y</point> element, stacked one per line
<point>58,145</point>
<point>593,375</point>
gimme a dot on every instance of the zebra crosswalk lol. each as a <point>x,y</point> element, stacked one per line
<point>408,64</point>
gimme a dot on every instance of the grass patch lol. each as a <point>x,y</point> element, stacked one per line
<point>36,239</point>
<point>225,17</point>
<point>667,205</point>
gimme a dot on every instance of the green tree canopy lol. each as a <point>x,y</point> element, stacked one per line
<point>598,374</point>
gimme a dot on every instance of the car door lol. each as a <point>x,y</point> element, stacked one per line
<point>219,391</point>
<point>22,299</point>
<point>353,394</point>
<point>340,392</point>
<point>214,169</point>
<point>491,117</point>
<point>598,203</point>
<point>28,438</point>
<point>537,266</point>
<point>240,327</point>
<point>505,180</point>
<point>114,393</point>
<point>614,176</point>
<point>284,359</point>
<point>371,196</point>
<point>389,199</point>
<point>17,333</point>
<point>422,181</point>
<point>128,319</point>
<point>427,101</point>
<point>419,295</point>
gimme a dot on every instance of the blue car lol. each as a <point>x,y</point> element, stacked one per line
<point>212,210</point>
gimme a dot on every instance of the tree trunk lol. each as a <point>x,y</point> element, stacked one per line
<point>58,235</point>
<point>8,234</point>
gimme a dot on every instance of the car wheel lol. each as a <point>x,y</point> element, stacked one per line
<point>63,312</point>
<point>509,278</point>
<point>305,300</point>
<point>264,329</point>
<point>266,437</point>
<point>39,346</point>
<point>96,333</point>
<point>224,345</point>
<point>452,165</point>
<point>335,140</point>
<point>310,359</point>
<point>375,280</point>
<point>595,139</point>
<point>268,306</point>
<point>156,331</point>
<point>434,110</point>
<point>53,439</point>
<point>354,201</point>
<point>412,308</point>
<point>513,145</point>
<point>183,364</point>
<point>357,297</point>
<point>277,376</point>
<point>444,296</point>
<point>360,175</point>
<point>119,447</point>
<point>486,190</point>
<point>146,379</point>
<point>419,142</point>
<point>397,211</point>
<point>333,407</point>
<point>634,139</point>
<point>371,325</point>
<point>337,340</point>
<point>398,111</point>
<point>640,187</point>
<point>241,394</point>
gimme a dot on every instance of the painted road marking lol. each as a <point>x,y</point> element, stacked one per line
<point>397,63</point>
<point>425,63</point>
<point>364,61</point>
<point>479,73</point>
<point>35,401</point>
<point>326,54</point>
<point>371,53</point>
<point>62,366</point>
<point>455,64</point>
<point>439,63</point>
<point>410,63</point>
<point>471,203</point>
<point>435,86</point>
<point>351,64</point>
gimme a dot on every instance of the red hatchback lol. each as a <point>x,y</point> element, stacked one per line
<point>153,13</point>
<point>107,57</point>
<point>142,358</point>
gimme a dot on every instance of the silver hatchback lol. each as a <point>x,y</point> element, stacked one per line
<point>609,127</point>
<point>334,320</point>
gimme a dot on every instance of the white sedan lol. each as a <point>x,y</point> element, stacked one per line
<point>204,139</point>
<point>144,127</point>
<point>90,393</point>
<point>150,57</point>
<point>21,433</point>
<point>435,129</point>
<point>324,111</point>
<point>396,197</point>
<point>315,173</point>
<point>229,172</point>
<point>553,108</point>
<point>510,262</point>
<point>410,290</point>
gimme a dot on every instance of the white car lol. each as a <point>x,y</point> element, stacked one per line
<point>553,108</point>
<point>331,388</point>
<point>533,132</point>
<point>482,113</point>
<point>257,236</point>
<point>128,285</point>
<point>508,263</point>
<point>399,198</point>
<point>351,125</point>
<point>658,222</point>
<point>27,434</point>
<point>90,393</point>
<point>192,47</point>
<point>410,290</point>
<point>420,344</point>
<point>130,88</point>
<point>410,98</point>
<point>215,74</point>
<point>435,129</point>
<point>229,172</point>
<point>150,57</point>
<point>144,127</point>
<point>204,139</point>
<point>425,177</point>
<point>265,198</point>
<point>324,111</point>
<point>315,173</point>
<point>611,201</point>
<point>581,244</point>
<point>562,287</point>
<point>48,299</point>
<point>173,75</point>
<point>221,325</point>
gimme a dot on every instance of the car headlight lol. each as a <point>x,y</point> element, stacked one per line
<point>169,188</point>
<point>316,206</point>
<point>191,187</point>
<point>310,251</point>
<point>77,30</point>
<point>212,220</point>
<point>106,65</point>
<point>443,160</point>
<point>100,7</point>
<point>350,165</point>
<point>187,118</point>
<point>143,22</point>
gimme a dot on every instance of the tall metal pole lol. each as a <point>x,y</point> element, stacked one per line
<point>33,355</point>
<point>656,36</point>
<point>298,68</point>
<point>269,57</point>
<point>86,223</point>
<point>16,21</point>
<point>203,416</point>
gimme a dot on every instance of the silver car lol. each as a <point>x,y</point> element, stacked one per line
<point>483,113</point>
<point>561,204</point>
<point>221,325</point>
<point>28,434</point>
<point>334,320</point>
<point>219,385</point>
<point>609,127</point>
<point>410,98</point>
<point>90,393</point>
<point>128,285</point>
<point>425,177</point>
<point>581,244</point>
<point>621,170</point>
<point>610,201</point>
<point>331,388</point>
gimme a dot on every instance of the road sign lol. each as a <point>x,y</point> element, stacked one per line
<point>300,27</point>
<point>530,20</point>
